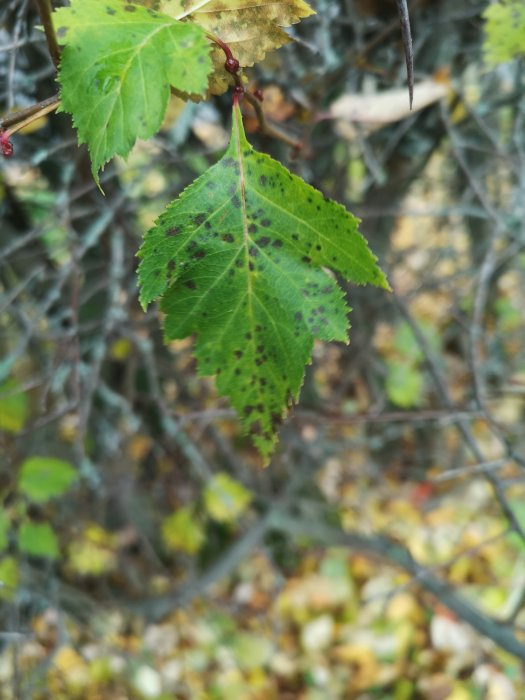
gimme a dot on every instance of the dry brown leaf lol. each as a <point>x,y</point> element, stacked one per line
<point>382,108</point>
<point>249,27</point>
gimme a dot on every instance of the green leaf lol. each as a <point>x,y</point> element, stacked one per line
<point>4,530</point>
<point>14,407</point>
<point>505,31</point>
<point>38,540</point>
<point>117,67</point>
<point>225,499</point>
<point>239,259</point>
<point>404,384</point>
<point>42,478</point>
<point>182,531</point>
<point>9,578</point>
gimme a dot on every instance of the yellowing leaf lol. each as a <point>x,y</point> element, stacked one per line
<point>225,499</point>
<point>249,28</point>
<point>182,531</point>
<point>14,407</point>
<point>94,554</point>
<point>9,577</point>
<point>4,529</point>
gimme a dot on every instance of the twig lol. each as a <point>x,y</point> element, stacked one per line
<point>45,10</point>
<point>233,67</point>
<point>397,554</point>
<point>268,130</point>
<point>17,120</point>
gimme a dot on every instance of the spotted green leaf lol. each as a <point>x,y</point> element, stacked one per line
<point>118,64</point>
<point>504,31</point>
<point>240,260</point>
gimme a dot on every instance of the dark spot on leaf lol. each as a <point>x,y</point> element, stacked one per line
<point>248,410</point>
<point>62,31</point>
<point>262,180</point>
<point>199,219</point>
<point>190,284</point>
<point>228,238</point>
<point>277,244</point>
<point>276,420</point>
<point>253,251</point>
<point>263,242</point>
<point>130,8</point>
<point>260,408</point>
<point>199,255</point>
<point>173,231</point>
<point>298,316</point>
<point>266,223</point>
<point>236,202</point>
<point>248,336</point>
<point>252,228</point>
<point>238,354</point>
<point>256,428</point>
<point>295,236</point>
<point>251,266</point>
<point>306,259</point>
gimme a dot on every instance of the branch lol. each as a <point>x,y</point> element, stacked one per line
<point>386,548</point>
<point>45,10</point>
<point>17,120</point>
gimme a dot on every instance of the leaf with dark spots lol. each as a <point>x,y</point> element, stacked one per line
<point>273,307</point>
<point>116,70</point>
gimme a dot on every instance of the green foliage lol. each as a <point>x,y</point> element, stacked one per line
<point>404,383</point>
<point>9,578</point>
<point>4,530</point>
<point>14,407</point>
<point>38,540</point>
<point>505,31</point>
<point>117,67</point>
<point>239,260</point>
<point>225,499</point>
<point>43,478</point>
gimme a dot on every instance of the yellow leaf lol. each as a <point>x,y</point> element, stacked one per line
<point>94,554</point>
<point>249,29</point>
<point>182,531</point>
<point>225,499</point>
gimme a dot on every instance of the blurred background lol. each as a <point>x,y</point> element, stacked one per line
<point>143,552</point>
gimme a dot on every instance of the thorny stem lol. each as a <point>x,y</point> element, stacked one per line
<point>406,33</point>
<point>232,66</point>
<point>45,10</point>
